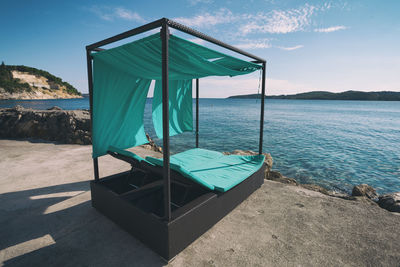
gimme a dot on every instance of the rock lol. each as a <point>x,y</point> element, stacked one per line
<point>72,126</point>
<point>363,199</point>
<point>18,108</point>
<point>390,202</point>
<point>152,145</point>
<point>278,177</point>
<point>338,194</point>
<point>364,190</point>
<point>274,175</point>
<point>54,108</point>
<point>316,188</point>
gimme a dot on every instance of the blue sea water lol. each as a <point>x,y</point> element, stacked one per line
<point>336,144</point>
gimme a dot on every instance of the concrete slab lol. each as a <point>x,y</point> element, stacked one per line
<point>46,220</point>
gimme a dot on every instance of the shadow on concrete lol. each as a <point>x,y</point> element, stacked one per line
<point>57,226</point>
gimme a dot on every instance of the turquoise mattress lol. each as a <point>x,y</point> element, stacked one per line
<point>212,169</point>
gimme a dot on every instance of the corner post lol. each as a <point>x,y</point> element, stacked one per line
<point>165,109</point>
<point>90,84</point>
<point>260,149</point>
<point>197,113</point>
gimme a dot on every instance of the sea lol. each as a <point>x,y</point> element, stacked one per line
<point>332,143</point>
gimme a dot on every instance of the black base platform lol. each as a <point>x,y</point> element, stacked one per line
<point>135,202</point>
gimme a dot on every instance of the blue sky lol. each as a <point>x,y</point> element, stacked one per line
<point>309,45</point>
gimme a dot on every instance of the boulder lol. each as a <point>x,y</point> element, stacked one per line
<point>54,108</point>
<point>55,124</point>
<point>278,177</point>
<point>364,190</point>
<point>333,193</point>
<point>19,108</point>
<point>390,202</point>
<point>316,188</point>
<point>151,145</point>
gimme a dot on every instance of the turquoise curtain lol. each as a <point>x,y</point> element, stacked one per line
<point>118,106</point>
<point>180,107</point>
<point>121,79</point>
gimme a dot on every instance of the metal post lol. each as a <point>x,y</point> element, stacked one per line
<point>197,112</point>
<point>262,109</point>
<point>165,108</point>
<point>90,84</point>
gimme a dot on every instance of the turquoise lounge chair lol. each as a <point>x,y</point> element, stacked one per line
<point>210,169</point>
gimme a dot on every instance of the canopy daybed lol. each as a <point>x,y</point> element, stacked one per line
<point>166,203</point>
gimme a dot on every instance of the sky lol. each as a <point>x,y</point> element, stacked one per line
<point>309,45</point>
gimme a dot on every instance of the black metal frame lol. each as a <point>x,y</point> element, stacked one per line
<point>197,112</point>
<point>236,195</point>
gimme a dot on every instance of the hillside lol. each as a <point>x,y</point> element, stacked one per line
<point>322,95</point>
<point>22,82</point>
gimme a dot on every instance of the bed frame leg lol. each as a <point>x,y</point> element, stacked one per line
<point>96,169</point>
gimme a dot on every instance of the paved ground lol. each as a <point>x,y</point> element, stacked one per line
<point>46,220</point>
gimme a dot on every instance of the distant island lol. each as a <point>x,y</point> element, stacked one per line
<point>322,95</point>
<point>22,82</point>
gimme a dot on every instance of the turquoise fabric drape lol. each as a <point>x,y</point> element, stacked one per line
<point>187,60</point>
<point>121,79</point>
<point>180,107</point>
<point>118,107</point>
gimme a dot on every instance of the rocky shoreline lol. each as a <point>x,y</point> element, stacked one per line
<point>54,124</point>
<point>73,127</point>
<point>361,192</point>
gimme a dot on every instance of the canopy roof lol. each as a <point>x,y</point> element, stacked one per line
<point>121,80</point>
<point>187,60</point>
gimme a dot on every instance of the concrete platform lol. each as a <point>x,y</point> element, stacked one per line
<point>46,220</point>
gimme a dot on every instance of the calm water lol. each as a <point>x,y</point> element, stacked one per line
<point>336,144</point>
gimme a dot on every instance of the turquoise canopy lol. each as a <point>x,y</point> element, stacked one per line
<point>121,80</point>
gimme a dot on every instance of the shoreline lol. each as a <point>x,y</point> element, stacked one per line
<point>360,193</point>
<point>19,123</point>
<point>46,203</point>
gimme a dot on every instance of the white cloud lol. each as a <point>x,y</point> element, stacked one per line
<point>111,13</point>
<point>278,21</point>
<point>127,14</point>
<point>275,21</point>
<point>331,29</point>
<point>290,48</point>
<point>221,16</point>
<point>254,44</point>
<point>98,11</point>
